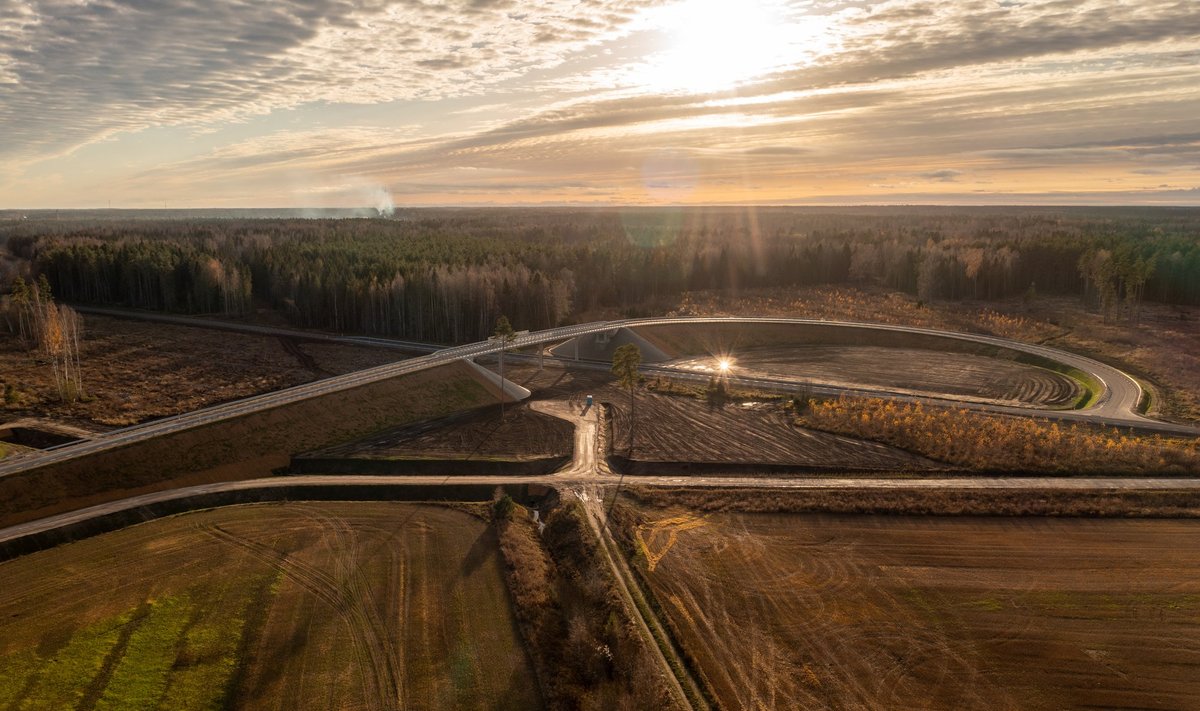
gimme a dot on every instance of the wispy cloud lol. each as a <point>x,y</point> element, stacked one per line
<point>945,100</point>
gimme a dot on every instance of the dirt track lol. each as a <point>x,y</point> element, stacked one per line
<point>857,612</point>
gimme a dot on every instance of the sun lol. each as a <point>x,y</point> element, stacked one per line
<point>714,45</point>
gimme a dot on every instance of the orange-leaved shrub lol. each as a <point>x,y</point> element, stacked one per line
<point>980,441</point>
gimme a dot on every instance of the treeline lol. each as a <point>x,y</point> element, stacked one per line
<point>446,275</point>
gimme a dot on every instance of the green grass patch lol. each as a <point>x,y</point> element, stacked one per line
<point>1091,387</point>
<point>62,680</point>
<point>15,672</point>
<point>988,604</point>
<point>1146,400</point>
<point>179,652</point>
<point>207,653</point>
<point>141,676</point>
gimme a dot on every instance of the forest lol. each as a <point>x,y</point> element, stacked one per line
<point>445,275</point>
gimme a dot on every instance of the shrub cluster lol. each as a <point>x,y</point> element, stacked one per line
<point>987,442</point>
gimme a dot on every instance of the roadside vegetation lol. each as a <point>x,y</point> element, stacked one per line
<point>585,647</point>
<point>1001,443</point>
<point>922,501</point>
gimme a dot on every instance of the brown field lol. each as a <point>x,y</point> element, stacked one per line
<point>857,611</point>
<point>683,428</point>
<point>904,369</point>
<point>1163,349</point>
<point>283,606</point>
<point>673,428</point>
<point>136,370</point>
<point>481,434</point>
<point>242,448</point>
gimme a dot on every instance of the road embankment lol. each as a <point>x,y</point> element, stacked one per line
<point>397,466</point>
<point>55,531</point>
<point>243,447</point>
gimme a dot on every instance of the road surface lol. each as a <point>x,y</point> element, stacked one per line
<point>827,483</point>
<point>586,420</point>
<point>1117,404</point>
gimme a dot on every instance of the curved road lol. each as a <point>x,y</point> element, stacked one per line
<point>1116,405</point>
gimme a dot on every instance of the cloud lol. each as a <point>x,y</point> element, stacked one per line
<point>73,72</point>
<point>535,95</point>
<point>945,175</point>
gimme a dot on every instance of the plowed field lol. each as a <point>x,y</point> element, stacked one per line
<point>522,433</point>
<point>914,370</point>
<point>296,606</point>
<point>671,428</point>
<point>866,612</point>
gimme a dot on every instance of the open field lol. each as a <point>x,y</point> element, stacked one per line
<point>1163,349</point>
<point>481,434</point>
<point>922,372</point>
<point>675,428</point>
<point>287,606</point>
<point>848,612</point>
<point>245,447</point>
<point>134,370</point>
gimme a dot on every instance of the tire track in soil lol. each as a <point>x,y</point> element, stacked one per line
<point>303,358</point>
<point>382,676</point>
<point>908,658</point>
<point>346,549</point>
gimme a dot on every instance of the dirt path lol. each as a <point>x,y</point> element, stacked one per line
<point>587,464</point>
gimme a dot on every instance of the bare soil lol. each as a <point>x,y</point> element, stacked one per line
<point>297,606</point>
<point>903,369</point>
<point>134,371</point>
<point>681,428</point>
<point>673,428</point>
<point>856,612</point>
<point>522,433</point>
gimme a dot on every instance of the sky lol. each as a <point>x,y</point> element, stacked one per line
<point>351,103</point>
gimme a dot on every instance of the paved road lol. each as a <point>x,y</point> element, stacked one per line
<point>580,481</point>
<point>1116,405</point>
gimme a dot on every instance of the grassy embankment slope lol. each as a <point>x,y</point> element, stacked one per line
<point>241,448</point>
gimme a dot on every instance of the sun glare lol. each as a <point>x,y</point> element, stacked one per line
<point>717,44</point>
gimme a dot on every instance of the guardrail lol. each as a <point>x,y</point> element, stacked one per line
<point>1107,375</point>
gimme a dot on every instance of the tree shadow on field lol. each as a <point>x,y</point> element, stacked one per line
<point>484,547</point>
